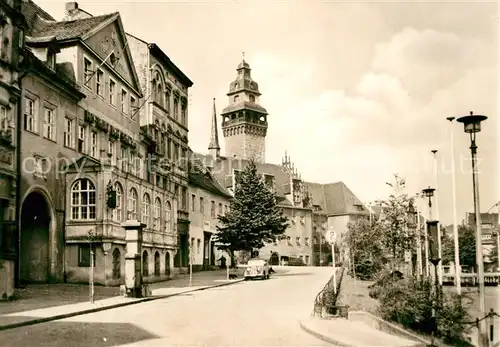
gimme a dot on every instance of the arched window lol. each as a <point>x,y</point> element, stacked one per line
<point>118,211</point>
<point>116,263</point>
<point>146,202</point>
<point>83,204</point>
<point>159,94</point>
<point>252,98</point>
<point>157,214</point>
<point>145,264</point>
<point>167,100</point>
<point>154,83</point>
<point>157,264</point>
<point>132,204</point>
<point>168,217</point>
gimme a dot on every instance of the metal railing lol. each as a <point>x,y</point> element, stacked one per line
<point>325,302</point>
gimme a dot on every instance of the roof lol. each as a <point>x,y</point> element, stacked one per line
<point>67,30</point>
<point>31,12</point>
<point>63,75</point>
<point>244,105</point>
<point>155,49</point>
<point>333,198</point>
<point>336,199</point>
<point>205,181</point>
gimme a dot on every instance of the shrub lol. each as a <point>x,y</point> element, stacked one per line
<point>411,302</point>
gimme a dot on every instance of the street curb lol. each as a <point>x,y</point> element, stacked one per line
<point>323,337</point>
<point>109,307</point>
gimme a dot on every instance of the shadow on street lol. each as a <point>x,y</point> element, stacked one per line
<point>75,334</point>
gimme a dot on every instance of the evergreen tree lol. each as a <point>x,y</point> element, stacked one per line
<point>254,218</point>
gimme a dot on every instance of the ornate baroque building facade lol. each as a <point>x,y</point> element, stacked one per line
<point>92,148</point>
<point>11,58</point>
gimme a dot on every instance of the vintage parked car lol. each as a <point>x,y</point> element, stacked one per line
<point>257,268</point>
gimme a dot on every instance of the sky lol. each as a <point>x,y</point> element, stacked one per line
<point>355,91</point>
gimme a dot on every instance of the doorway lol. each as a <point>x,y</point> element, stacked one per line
<point>275,259</point>
<point>35,240</point>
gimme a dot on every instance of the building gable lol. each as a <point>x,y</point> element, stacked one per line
<point>109,37</point>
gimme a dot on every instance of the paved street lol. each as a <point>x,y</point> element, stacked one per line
<point>254,313</point>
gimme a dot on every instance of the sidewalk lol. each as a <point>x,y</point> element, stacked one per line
<point>344,333</point>
<point>42,303</point>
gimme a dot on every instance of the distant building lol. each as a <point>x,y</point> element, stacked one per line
<point>312,208</point>
<point>208,200</point>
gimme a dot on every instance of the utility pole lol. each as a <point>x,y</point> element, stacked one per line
<point>458,271</point>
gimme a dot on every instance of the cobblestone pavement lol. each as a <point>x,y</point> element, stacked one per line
<point>253,313</point>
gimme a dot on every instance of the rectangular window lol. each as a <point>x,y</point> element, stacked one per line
<point>183,115</point>
<point>49,124</point>
<point>212,209</point>
<point>30,115</point>
<point>124,101</point>
<point>176,152</point>
<point>167,101</point>
<point>99,88</point>
<point>133,106</point>
<point>112,92</point>
<point>68,133</point>
<point>82,134</point>
<point>169,149</point>
<point>4,118</point>
<point>132,163</point>
<point>112,152</point>
<point>193,202</point>
<point>124,158</point>
<point>306,241</point>
<point>220,209</point>
<point>202,207</point>
<point>93,144</point>
<point>297,240</point>
<point>176,109</point>
<point>87,73</point>
<point>84,255</point>
<point>184,199</point>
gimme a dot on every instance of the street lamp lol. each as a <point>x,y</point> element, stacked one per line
<point>427,193</point>
<point>472,125</point>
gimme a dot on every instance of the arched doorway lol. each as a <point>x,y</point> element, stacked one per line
<point>157,263</point>
<point>116,264</point>
<point>35,239</point>
<point>275,259</point>
<point>167,264</point>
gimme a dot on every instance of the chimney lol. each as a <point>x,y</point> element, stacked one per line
<point>72,12</point>
<point>71,6</point>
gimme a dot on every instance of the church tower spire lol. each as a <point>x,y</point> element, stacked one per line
<point>213,147</point>
<point>244,120</point>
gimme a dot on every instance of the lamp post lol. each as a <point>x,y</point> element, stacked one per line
<point>436,199</point>
<point>472,125</point>
<point>458,271</point>
<point>419,242</point>
<point>428,193</point>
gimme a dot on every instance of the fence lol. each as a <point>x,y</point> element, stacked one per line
<point>325,302</point>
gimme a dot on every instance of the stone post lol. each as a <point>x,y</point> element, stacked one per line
<point>133,273</point>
